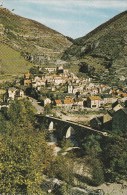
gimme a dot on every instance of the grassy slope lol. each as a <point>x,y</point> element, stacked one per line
<point>11,62</point>
<point>18,34</point>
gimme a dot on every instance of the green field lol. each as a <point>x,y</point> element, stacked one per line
<point>11,63</point>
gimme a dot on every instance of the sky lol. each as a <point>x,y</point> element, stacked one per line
<point>73,18</point>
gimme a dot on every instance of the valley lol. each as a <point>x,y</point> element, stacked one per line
<point>64,95</point>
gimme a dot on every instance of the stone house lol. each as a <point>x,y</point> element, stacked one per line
<point>27,79</point>
<point>78,89</point>
<point>38,82</point>
<point>97,123</point>
<point>13,93</point>
<point>58,80</point>
<point>51,69</point>
<point>79,102</point>
<point>58,103</point>
<point>103,88</point>
<point>117,105</point>
<point>27,82</point>
<point>70,88</point>
<point>107,98</point>
<point>60,70</point>
<point>107,120</point>
<point>94,91</point>
<point>124,96</point>
<point>68,101</point>
<point>20,93</point>
<point>27,75</point>
<point>119,121</point>
<point>47,101</point>
<point>94,102</point>
<point>66,71</point>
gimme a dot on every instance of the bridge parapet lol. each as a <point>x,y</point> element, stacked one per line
<point>66,129</point>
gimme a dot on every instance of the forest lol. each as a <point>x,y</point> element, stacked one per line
<point>26,160</point>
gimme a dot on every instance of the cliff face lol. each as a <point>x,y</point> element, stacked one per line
<point>105,48</point>
<point>26,35</point>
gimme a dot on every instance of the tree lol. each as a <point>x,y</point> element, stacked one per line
<point>2,123</point>
<point>24,155</point>
<point>21,112</point>
<point>91,145</point>
<point>34,70</point>
<point>115,158</point>
<point>97,172</point>
<point>47,109</point>
<point>62,168</point>
<point>64,189</point>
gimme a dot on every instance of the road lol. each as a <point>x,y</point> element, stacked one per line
<point>39,109</point>
<point>80,125</point>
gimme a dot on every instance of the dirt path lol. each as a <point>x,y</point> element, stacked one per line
<point>113,189</point>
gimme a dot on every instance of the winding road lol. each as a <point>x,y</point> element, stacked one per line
<point>39,109</point>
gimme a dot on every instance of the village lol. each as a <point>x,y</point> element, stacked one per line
<point>66,96</point>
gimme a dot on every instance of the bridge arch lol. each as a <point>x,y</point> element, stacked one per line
<point>51,126</point>
<point>70,132</point>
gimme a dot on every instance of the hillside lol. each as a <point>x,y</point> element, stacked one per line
<point>104,49</point>
<point>11,63</point>
<point>29,36</point>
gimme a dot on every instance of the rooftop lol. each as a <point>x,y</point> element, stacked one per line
<point>94,98</point>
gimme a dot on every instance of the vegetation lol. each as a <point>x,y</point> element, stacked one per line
<point>107,158</point>
<point>114,157</point>
<point>24,154</point>
<point>20,35</point>
<point>12,63</point>
<point>102,49</point>
<point>25,157</point>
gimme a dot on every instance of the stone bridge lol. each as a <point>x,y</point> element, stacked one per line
<point>67,129</point>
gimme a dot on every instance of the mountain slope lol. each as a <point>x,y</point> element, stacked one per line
<point>29,36</point>
<point>11,63</point>
<point>105,49</point>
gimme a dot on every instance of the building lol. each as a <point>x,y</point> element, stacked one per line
<point>117,105</point>
<point>58,80</point>
<point>94,91</point>
<point>107,98</point>
<point>94,102</point>
<point>119,121</point>
<point>27,82</point>
<point>78,101</point>
<point>27,75</point>
<point>58,103</point>
<point>68,101</point>
<point>60,70</point>
<point>27,79</point>
<point>70,88</point>
<point>47,101</point>
<point>107,120</point>
<point>20,93</point>
<point>96,123</point>
<point>11,93</point>
<point>50,69</point>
